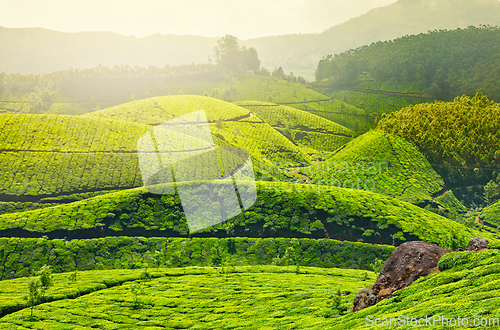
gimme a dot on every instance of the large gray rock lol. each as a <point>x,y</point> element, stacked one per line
<point>406,264</point>
<point>477,244</point>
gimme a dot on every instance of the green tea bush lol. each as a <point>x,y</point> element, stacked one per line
<point>25,256</point>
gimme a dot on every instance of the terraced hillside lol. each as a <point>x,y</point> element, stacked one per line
<point>198,298</point>
<point>305,129</point>
<point>382,163</point>
<point>48,156</point>
<point>154,111</point>
<point>230,123</point>
<point>281,210</point>
<point>374,103</point>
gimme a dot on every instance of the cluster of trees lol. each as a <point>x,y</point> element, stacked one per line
<point>278,72</point>
<point>442,63</point>
<point>232,58</point>
<point>460,138</point>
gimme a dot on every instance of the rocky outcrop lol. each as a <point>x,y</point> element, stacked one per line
<point>477,244</point>
<point>406,264</point>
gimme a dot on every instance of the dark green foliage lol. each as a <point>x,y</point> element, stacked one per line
<point>23,257</point>
<point>492,191</point>
<point>442,64</point>
<point>461,139</point>
<point>281,209</point>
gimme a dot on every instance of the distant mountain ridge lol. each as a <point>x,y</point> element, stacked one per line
<point>41,51</point>
<point>299,52</point>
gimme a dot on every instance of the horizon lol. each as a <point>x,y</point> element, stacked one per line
<point>132,18</point>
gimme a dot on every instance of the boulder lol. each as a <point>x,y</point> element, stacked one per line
<point>406,264</point>
<point>477,244</point>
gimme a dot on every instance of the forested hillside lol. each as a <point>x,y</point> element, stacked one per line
<point>439,64</point>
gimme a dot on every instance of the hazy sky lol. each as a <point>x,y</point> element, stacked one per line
<point>244,19</point>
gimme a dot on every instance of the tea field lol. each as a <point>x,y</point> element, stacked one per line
<point>262,297</point>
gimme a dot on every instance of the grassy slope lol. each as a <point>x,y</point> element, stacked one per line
<point>372,103</point>
<point>467,287</point>
<point>383,163</point>
<point>303,128</point>
<point>297,209</point>
<point>197,298</point>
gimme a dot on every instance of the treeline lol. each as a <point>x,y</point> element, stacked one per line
<point>25,256</point>
<point>442,64</point>
<point>18,83</point>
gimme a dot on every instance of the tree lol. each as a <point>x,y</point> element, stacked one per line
<point>251,59</point>
<point>33,296</point>
<point>137,291</point>
<point>492,191</point>
<point>279,73</point>
<point>37,287</point>
<point>35,103</point>
<point>229,56</point>
<point>46,279</point>
<point>227,53</point>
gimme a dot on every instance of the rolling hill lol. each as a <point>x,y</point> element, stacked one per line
<point>305,129</point>
<point>48,156</point>
<point>382,163</point>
